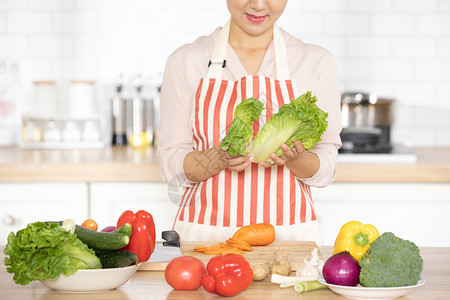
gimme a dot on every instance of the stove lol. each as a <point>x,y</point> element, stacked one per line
<point>366,140</point>
<point>396,154</point>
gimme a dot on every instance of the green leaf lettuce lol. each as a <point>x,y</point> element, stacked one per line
<point>44,251</point>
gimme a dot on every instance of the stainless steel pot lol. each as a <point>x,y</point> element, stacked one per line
<point>362,110</point>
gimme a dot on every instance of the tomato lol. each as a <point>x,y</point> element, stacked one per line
<point>185,273</point>
<point>90,224</point>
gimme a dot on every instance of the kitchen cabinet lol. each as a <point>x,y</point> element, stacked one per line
<point>417,212</point>
<point>109,200</point>
<point>22,203</point>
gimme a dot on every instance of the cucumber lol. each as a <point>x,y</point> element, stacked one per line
<point>101,240</point>
<point>101,251</point>
<point>117,259</point>
<point>126,229</point>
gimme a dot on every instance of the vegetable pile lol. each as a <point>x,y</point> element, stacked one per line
<point>384,260</point>
<point>45,250</point>
<point>301,119</point>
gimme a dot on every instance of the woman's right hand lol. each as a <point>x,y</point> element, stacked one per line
<point>235,163</point>
<point>202,165</point>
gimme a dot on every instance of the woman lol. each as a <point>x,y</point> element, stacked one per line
<point>203,82</point>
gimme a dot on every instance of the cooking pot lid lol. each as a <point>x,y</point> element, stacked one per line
<point>362,98</point>
<point>355,98</point>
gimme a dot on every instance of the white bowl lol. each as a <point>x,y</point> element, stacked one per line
<point>92,280</point>
<point>373,293</point>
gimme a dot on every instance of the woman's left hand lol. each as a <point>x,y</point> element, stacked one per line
<point>289,154</point>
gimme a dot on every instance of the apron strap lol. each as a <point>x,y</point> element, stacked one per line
<point>218,62</point>
<point>281,61</point>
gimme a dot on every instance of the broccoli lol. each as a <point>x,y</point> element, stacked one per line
<point>390,261</point>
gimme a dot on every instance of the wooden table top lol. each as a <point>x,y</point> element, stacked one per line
<point>124,164</point>
<point>151,285</point>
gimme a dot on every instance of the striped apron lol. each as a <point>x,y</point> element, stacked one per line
<point>214,209</point>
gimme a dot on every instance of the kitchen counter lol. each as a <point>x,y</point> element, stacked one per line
<point>125,164</point>
<point>151,285</point>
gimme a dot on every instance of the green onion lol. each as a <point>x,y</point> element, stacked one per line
<point>307,286</point>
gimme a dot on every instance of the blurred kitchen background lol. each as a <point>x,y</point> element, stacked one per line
<point>63,61</point>
<point>77,76</point>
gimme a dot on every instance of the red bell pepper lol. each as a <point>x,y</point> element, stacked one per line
<point>143,236</point>
<point>228,275</point>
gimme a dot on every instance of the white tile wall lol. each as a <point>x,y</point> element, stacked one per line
<point>395,48</point>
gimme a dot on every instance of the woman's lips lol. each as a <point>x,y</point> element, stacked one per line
<point>255,19</point>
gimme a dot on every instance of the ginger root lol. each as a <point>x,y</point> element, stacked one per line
<point>282,265</point>
<point>261,271</point>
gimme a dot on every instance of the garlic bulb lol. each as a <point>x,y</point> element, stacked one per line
<point>311,267</point>
<point>307,270</point>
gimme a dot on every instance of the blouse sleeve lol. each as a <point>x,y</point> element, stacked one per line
<point>175,137</point>
<point>328,94</point>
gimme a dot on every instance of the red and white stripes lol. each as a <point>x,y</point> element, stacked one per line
<point>272,195</point>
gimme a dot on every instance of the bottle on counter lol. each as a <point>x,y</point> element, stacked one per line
<point>141,113</point>
<point>118,114</point>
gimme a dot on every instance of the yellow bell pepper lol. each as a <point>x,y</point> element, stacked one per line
<point>355,238</point>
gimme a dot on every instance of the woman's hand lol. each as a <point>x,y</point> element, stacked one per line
<point>202,165</point>
<point>302,163</point>
<point>235,163</point>
<point>289,154</point>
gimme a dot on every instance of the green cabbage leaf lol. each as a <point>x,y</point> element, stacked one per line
<point>301,119</point>
<point>240,132</point>
<point>44,251</point>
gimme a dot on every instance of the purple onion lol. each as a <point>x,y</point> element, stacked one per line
<point>341,269</point>
<point>109,229</point>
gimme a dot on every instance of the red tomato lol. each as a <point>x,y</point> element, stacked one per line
<point>90,224</point>
<point>185,273</point>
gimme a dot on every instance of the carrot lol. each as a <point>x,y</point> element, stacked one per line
<point>223,248</point>
<point>200,248</point>
<point>256,234</point>
<point>213,252</point>
<point>239,245</point>
<point>232,250</point>
<point>240,242</point>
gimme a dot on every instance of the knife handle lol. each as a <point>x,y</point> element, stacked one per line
<point>171,237</point>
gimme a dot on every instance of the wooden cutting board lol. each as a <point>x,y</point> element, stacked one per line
<point>297,251</point>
